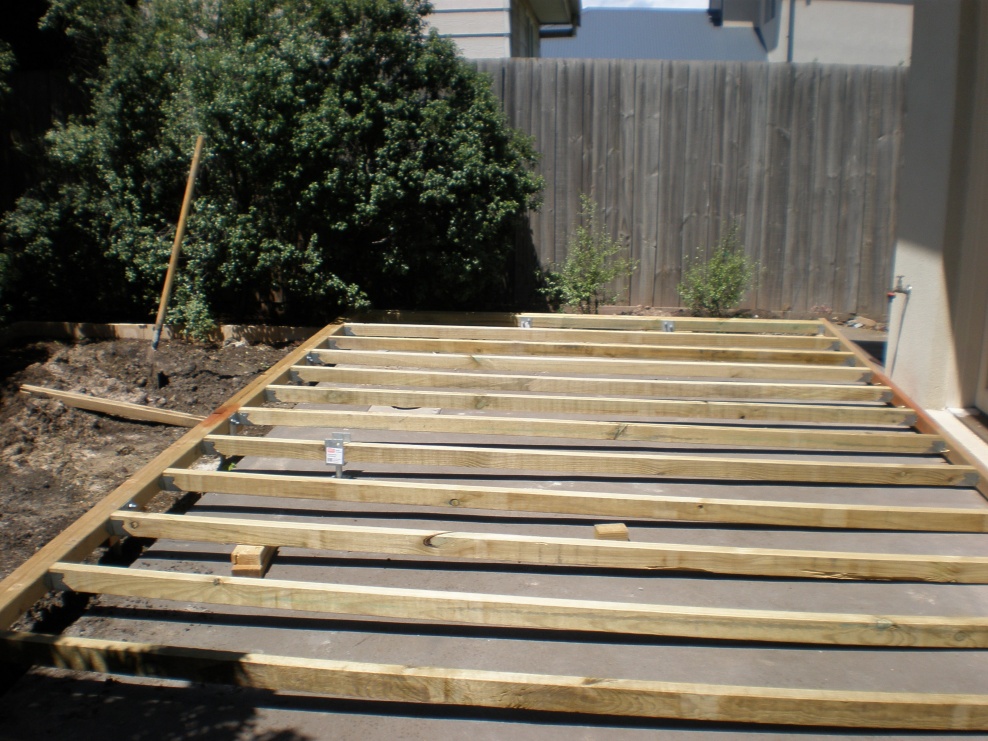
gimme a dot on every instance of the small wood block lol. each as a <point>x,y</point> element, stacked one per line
<point>611,531</point>
<point>252,560</point>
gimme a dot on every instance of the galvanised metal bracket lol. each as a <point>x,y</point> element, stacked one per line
<point>313,359</point>
<point>236,419</point>
<point>347,332</point>
<point>668,326</point>
<point>525,322</point>
<point>335,450</point>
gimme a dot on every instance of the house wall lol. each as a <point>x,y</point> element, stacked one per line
<point>938,334</point>
<point>847,32</point>
<point>524,30</point>
<point>488,29</point>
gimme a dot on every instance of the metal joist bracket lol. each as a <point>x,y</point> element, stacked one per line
<point>525,322</point>
<point>313,359</point>
<point>668,326</point>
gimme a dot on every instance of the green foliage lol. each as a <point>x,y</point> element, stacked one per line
<point>715,286</point>
<point>351,158</point>
<point>591,264</point>
<point>7,61</point>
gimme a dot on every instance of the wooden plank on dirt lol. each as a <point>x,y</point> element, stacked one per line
<point>845,393</point>
<point>602,336</point>
<point>603,366</point>
<point>607,464</point>
<point>124,409</point>
<point>590,350</point>
<point>472,687</point>
<point>26,584</point>
<point>705,623</point>
<point>904,442</point>
<point>597,504</point>
<point>673,408</point>
<point>556,551</point>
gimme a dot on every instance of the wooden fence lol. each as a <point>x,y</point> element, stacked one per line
<point>804,158</point>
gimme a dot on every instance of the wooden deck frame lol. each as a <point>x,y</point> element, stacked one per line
<point>606,464</point>
<point>611,366</point>
<point>595,504</point>
<point>662,389</point>
<point>596,336</point>
<point>550,693</point>
<point>541,692</point>
<point>514,611</point>
<point>878,416</point>
<point>582,349</point>
<point>556,551</point>
<point>904,442</point>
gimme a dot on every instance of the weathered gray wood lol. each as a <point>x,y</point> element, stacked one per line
<point>804,157</point>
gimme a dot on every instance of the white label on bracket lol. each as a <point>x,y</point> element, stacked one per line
<point>334,452</point>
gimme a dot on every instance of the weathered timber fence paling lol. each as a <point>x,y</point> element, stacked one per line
<point>803,157</point>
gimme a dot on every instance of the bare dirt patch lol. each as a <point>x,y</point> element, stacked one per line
<point>56,462</point>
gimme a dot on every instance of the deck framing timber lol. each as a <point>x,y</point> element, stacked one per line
<point>793,387</point>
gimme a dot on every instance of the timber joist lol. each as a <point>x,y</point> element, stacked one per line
<point>513,479</point>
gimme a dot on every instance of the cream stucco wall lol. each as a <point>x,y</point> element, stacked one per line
<point>937,333</point>
<point>847,32</point>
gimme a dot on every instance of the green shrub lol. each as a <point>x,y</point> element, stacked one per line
<point>591,264</point>
<point>351,158</point>
<point>715,286</point>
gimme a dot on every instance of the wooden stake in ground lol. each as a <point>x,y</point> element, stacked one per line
<point>179,234</point>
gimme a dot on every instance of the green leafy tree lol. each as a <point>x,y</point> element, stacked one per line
<point>591,265</point>
<point>715,286</point>
<point>351,158</point>
<point>7,61</point>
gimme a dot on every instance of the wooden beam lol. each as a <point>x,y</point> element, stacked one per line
<point>555,551</point>
<point>602,366</point>
<point>844,393</point>
<point>598,336</point>
<point>924,422</point>
<point>252,560</point>
<point>680,323</point>
<point>611,531</point>
<point>546,404</point>
<point>588,350</point>
<point>26,584</point>
<point>123,409</point>
<point>607,464</point>
<point>705,623</point>
<point>539,692</point>
<point>903,442</point>
<point>596,504</point>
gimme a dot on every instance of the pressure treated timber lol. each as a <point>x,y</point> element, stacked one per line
<point>516,611</point>
<point>903,442</point>
<point>924,422</point>
<point>557,551</point>
<point>636,698</point>
<point>582,349</point>
<point>606,366</point>
<point>690,339</point>
<point>251,560</point>
<point>625,506</point>
<point>114,408</point>
<point>597,386</point>
<point>603,464</point>
<point>546,404</point>
<point>26,584</point>
<point>680,323</point>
